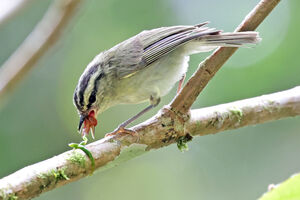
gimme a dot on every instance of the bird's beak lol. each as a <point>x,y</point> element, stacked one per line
<point>93,131</point>
<point>81,120</point>
<point>87,123</point>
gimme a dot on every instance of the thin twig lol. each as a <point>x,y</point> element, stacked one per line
<point>45,35</point>
<point>157,132</point>
<point>208,68</point>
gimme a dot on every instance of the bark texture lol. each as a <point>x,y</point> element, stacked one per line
<point>172,124</point>
<point>161,130</point>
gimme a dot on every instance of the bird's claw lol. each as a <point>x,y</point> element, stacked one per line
<point>121,131</point>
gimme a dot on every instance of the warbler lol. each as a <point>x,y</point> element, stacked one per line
<point>145,67</point>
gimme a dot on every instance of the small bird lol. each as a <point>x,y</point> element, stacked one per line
<point>145,67</point>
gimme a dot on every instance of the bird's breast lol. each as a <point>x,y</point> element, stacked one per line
<point>156,79</point>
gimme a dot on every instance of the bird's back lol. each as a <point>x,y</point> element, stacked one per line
<point>151,62</point>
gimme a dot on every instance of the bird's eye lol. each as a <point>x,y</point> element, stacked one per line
<point>92,98</point>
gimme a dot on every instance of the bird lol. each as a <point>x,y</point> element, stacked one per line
<point>144,68</point>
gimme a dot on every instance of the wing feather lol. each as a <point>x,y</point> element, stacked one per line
<point>170,43</point>
<point>142,50</point>
<point>149,46</point>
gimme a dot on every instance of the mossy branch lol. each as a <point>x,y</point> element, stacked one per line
<point>161,130</point>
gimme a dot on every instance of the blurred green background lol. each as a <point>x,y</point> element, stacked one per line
<point>39,120</point>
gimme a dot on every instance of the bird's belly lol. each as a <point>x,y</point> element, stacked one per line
<point>156,80</point>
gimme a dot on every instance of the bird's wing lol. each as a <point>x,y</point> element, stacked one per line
<point>149,46</point>
<point>171,40</point>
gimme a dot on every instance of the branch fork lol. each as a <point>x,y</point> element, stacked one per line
<point>175,122</point>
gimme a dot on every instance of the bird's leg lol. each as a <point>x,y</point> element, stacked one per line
<point>121,128</point>
<point>180,83</point>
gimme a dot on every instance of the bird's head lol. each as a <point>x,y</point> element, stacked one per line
<point>87,98</point>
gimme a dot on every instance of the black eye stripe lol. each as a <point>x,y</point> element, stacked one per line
<point>84,83</point>
<point>92,97</point>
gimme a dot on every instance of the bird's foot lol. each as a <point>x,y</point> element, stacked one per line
<point>121,131</point>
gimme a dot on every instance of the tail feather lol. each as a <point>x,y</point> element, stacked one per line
<point>232,39</point>
<point>193,39</point>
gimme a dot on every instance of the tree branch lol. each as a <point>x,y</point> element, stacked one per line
<point>161,130</point>
<point>167,127</point>
<point>45,35</point>
<point>245,112</point>
<point>208,68</point>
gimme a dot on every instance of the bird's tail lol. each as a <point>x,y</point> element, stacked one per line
<point>236,39</point>
<point>210,39</point>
